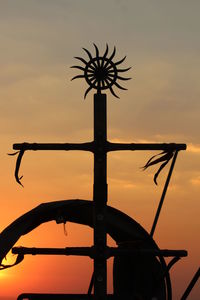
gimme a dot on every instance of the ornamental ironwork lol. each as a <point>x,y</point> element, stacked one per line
<point>139,269</point>
<point>101,72</point>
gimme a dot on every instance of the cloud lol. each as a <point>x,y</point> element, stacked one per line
<point>193,148</point>
<point>195,181</point>
<point>123,183</point>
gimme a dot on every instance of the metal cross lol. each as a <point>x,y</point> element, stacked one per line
<point>101,73</point>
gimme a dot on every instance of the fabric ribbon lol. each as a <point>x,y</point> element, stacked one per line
<point>165,157</point>
<point>18,163</point>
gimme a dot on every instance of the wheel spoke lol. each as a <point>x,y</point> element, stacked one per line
<point>101,72</point>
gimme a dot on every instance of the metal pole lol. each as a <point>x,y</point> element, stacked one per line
<point>100,196</point>
<point>163,194</point>
<point>191,285</point>
<point>88,146</point>
<point>89,251</point>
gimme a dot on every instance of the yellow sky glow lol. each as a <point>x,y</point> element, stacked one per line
<point>39,103</point>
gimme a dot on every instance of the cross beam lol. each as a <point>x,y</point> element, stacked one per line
<point>109,146</point>
<point>89,251</point>
<point>99,147</point>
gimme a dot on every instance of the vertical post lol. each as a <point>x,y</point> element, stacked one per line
<point>100,196</point>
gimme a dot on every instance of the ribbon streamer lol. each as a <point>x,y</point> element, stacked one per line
<point>19,259</point>
<point>166,157</point>
<point>18,163</point>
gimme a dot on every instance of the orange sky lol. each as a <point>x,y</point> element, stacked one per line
<point>39,103</point>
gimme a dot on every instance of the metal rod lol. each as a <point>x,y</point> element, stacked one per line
<point>91,284</point>
<point>163,194</point>
<point>144,146</point>
<point>80,251</point>
<point>89,251</point>
<point>100,196</point>
<point>55,146</point>
<point>39,296</point>
<point>89,146</point>
<point>191,285</point>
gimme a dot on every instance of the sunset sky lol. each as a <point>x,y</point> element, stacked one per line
<point>40,103</point>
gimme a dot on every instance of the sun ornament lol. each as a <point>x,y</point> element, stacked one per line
<point>100,72</point>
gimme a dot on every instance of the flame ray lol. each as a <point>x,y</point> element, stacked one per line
<point>78,76</point>
<point>123,78</point>
<point>78,67</point>
<point>88,53</point>
<point>81,59</point>
<point>120,61</point>
<point>112,92</point>
<point>119,86</point>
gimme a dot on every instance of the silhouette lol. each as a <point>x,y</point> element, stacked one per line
<point>123,229</point>
<point>101,72</point>
<point>139,270</point>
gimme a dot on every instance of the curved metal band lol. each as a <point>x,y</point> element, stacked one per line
<point>123,229</point>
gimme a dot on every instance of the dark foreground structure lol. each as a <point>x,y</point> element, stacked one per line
<point>139,269</point>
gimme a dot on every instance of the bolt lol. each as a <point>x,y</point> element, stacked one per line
<point>100,217</point>
<point>99,278</point>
